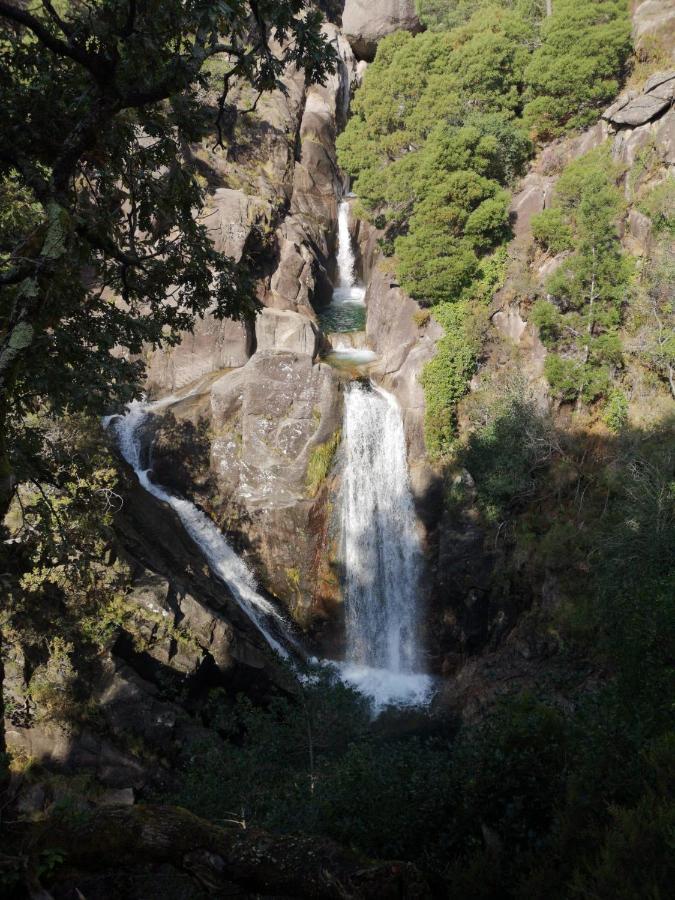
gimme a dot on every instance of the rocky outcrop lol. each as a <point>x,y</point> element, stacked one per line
<point>366,22</point>
<point>651,103</point>
<point>269,421</point>
<point>268,435</point>
<point>402,335</point>
<point>211,858</point>
<point>272,196</point>
<point>654,18</point>
<point>280,329</point>
<point>306,237</point>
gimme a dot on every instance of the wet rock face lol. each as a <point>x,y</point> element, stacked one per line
<point>403,340</point>
<point>366,22</point>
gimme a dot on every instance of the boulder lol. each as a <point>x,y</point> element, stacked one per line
<point>635,109</point>
<point>282,329</point>
<point>532,197</point>
<point>213,345</point>
<point>654,18</point>
<point>268,420</point>
<point>366,22</point>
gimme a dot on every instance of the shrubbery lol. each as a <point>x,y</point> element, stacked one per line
<point>441,127</point>
<point>589,290</point>
<point>578,66</point>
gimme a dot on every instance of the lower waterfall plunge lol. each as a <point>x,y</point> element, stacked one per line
<point>381,552</point>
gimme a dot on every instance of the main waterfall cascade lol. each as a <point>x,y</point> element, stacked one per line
<point>381,552</point>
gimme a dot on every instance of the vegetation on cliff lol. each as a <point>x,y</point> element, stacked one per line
<point>561,789</point>
<point>443,124</point>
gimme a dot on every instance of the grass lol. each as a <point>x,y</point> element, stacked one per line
<point>320,462</point>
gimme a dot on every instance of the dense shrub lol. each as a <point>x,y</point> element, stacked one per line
<point>578,67</point>
<point>589,290</point>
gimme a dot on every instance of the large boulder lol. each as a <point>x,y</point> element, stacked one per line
<point>366,22</point>
<point>654,19</point>
<point>635,109</point>
<point>213,345</point>
<point>273,430</point>
<point>282,329</point>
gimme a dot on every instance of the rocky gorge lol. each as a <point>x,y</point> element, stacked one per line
<point>281,515</point>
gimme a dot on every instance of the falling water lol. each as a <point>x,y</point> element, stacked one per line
<point>381,552</point>
<point>347,291</point>
<point>221,558</point>
<point>347,309</point>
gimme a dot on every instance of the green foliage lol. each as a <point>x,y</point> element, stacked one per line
<point>589,290</point>
<point>551,230</point>
<point>615,415</point>
<point>578,67</point>
<point>96,178</point>
<point>659,205</point>
<point>431,141</point>
<point>547,319</point>
<point>320,462</point>
<point>511,440</point>
<point>445,378</point>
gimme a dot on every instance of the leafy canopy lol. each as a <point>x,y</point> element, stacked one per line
<point>101,245</point>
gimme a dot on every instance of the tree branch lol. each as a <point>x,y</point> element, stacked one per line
<point>93,63</point>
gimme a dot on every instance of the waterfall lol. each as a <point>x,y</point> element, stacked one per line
<point>347,291</point>
<point>381,552</point>
<point>221,558</point>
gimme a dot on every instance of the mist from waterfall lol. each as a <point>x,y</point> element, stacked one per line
<point>222,559</point>
<point>381,552</point>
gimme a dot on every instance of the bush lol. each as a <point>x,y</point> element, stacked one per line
<point>578,67</point>
<point>552,231</point>
<point>445,378</point>
<point>659,205</point>
<point>615,415</point>
<point>505,449</point>
<point>563,375</point>
<point>547,319</point>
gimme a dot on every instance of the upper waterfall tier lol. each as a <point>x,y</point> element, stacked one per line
<point>346,311</point>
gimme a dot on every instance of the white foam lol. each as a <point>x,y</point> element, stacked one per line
<point>355,294</point>
<point>354,354</point>
<point>385,688</point>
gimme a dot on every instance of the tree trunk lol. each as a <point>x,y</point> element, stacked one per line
<point>280,865</point>
<point>549,8</point>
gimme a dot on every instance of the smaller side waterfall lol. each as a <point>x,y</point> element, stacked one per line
<point>221,558</point>
<point>381,552</point>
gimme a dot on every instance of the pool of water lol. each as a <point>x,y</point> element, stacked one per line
<point>342,316</point>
